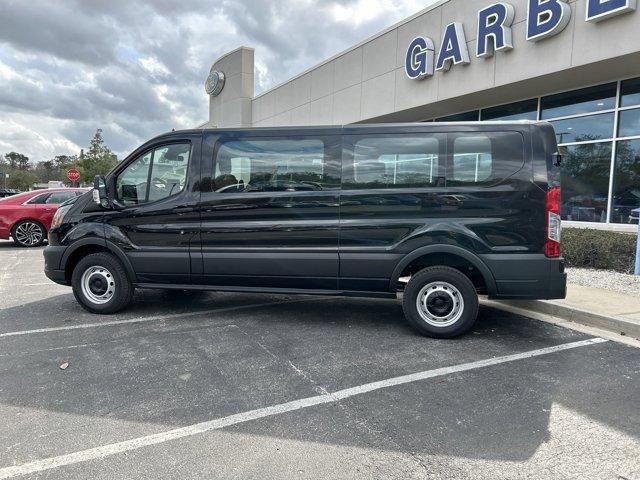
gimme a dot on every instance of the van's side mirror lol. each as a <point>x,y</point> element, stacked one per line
<point>557,159</point>
<point>100,191</point>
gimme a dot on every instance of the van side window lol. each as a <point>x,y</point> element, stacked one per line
<point>157,174</point>
<point>484,158</point>
<point>472,159</point>
<point>395,162</point>
<point>274,165</point>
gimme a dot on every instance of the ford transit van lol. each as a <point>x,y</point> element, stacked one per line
<point>434,213</point>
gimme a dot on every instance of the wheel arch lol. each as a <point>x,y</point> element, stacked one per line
<point>81,248</point>
<point>424,257</point>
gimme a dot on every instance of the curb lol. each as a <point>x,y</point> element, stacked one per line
<point>618,325</point>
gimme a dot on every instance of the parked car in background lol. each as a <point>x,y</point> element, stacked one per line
<point>7,192</point>
<point>634,216</point>
<point>26,217</point>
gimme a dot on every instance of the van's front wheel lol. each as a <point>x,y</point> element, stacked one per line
<point>440,302</point>
<point>100,284</point>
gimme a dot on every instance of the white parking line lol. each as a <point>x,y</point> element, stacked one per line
<point>151,318</point>
<point>162,437</point>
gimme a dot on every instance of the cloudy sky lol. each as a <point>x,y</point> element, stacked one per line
<point>136,68</point>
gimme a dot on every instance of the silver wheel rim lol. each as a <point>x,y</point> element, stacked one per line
<point>98,285</point>
<point>440,304</point>
<point>29,233</point>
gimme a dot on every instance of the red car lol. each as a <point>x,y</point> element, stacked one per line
<point>26,217</point>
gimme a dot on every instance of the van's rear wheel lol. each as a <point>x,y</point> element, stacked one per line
<point>100,284</point>
<point>440,302</point>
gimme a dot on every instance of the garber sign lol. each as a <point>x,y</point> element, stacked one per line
<point>545,18</point>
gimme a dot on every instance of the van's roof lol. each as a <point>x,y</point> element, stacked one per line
<point>502,123</point>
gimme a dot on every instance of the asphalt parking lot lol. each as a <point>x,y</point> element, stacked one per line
<point>267,387</point>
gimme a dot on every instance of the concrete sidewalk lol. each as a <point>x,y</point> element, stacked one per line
<point>594,307</point>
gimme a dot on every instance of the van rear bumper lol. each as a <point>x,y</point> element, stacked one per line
<point>527,276</point>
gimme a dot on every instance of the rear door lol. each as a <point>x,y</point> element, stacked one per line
<point>270,210</point>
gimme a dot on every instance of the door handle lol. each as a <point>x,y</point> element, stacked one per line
<point>183,209</point>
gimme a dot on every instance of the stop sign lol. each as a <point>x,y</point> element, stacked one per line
<point>73,175</point>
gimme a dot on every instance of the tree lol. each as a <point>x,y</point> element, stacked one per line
<point>64,162</point>
<point>21,179</point>
<point>17,160</point>
<point>97,161</point>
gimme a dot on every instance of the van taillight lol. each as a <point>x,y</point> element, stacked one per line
<point>552,238</point>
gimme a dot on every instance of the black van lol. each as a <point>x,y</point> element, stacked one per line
<point>439,212</point>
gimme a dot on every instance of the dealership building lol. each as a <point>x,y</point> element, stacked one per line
<point>573,63</point>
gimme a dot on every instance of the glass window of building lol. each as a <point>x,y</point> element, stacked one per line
<point>527,110</point>
<point>630,94</point>
<point>629,123</point>
<point>626,193</point>
<point>585,181</point>
<point>592,99</point>
<point>472,116</point>
<point>584,129</point>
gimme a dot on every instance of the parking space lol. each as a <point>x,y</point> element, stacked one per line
<point>213,385</point>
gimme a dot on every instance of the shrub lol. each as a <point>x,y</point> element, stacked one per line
<point>588,248</point>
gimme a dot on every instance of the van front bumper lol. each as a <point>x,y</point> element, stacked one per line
<point>527,276</point>
<point>52,262</point>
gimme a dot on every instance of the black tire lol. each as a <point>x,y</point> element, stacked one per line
<point>446,312</point>
<point>28,234</point>
<point>103,271</point>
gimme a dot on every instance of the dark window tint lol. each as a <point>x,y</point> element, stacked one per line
<point>274,164</point>
<point>396,162</point>
<point>626,196</point>
<point>593,99</point>
<point>630,94</point>
<point>484,157</point>
<point>39,200</point>
<point>155,175</point>
<point>527,110</point>
<point>57,198</point>
<point>461,117</point>
<point>629,124</point>
<point>583,129</point>
<point>585,181</point>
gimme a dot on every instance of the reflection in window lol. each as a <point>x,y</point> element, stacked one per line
<point>131,184</point>
<point>585,182</point>
<point>526,110</point>
<point>630,94</point>
<point>593,99</point>
<point>393,162</point>
<point>155,175</point>
<point>471,116</point>
<point>584,129</point>
<point>629,124</point>
<point>472,159</point>
<point>626,196</point>
<point>272,165</point>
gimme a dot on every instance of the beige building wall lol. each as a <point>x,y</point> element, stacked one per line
<point>368,83</point>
